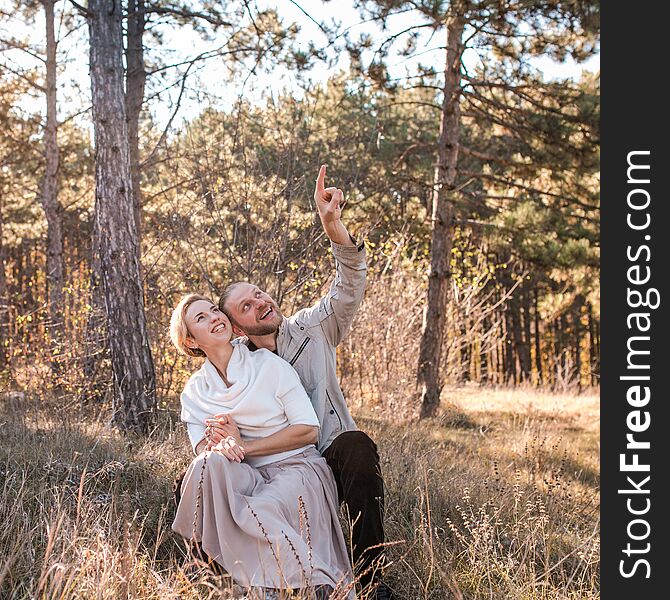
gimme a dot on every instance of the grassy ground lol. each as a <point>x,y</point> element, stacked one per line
<point>498,497</point>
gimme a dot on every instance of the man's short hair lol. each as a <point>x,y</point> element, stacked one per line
<point>224,298</point>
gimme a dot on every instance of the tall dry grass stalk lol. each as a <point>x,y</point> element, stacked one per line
<point>496,498</point>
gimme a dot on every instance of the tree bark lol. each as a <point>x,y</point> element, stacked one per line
<point>484,357</point>
<point>577,322</point>
<point>517,340</point>
<point>53,211</point>
<point>4,301</point>
<point>465,358</point>
<point>504,352</point>
<point>538,341</point>
<point>526,363</point>
<point>556,371</point>
<point>511,369</point>
<point>97,339</point>
<point>593,370</point>
<point>135,80</point>
<point>134,377</point>
<point>429,375</point>
<point>562,332</point>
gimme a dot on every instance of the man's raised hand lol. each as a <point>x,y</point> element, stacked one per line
<point>328,200</point>
<point>329,203</point>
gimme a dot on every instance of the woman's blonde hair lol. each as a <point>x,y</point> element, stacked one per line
<point>179,332</point>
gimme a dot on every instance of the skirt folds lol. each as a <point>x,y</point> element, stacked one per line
<point>273,526</point>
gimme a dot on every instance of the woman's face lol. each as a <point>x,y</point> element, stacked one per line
<point>208,326</point>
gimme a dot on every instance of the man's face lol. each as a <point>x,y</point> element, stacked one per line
<point>253,312</point>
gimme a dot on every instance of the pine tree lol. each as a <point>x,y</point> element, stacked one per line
<point>508,34</point>
<point>132,363</point>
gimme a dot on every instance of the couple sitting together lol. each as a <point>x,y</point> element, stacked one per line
<point>277,449</point>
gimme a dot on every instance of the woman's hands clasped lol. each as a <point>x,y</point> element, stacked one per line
<point>223,435</point>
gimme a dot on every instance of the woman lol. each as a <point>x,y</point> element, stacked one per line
<point>262,502</point>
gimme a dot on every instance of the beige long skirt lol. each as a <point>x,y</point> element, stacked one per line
<point>274,526</point>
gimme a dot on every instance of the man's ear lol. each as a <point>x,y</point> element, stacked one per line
<point>238,331</point>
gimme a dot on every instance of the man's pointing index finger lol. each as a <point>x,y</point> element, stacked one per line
<point>321,179</point>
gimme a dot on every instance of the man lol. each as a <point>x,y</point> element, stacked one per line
<point>307,340</point>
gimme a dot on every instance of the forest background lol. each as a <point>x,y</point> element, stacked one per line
<point>465,136</point>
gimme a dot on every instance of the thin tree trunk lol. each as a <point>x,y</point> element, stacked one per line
<point>527,365</point>
<point>538,341</point>
<point>97,342</point>
<point>561,329</point>
<point>132,363</point>
<point>18,258</point>
<point>484,369</point>
<point>504,353</point>
<point>464,353</point>
<point>429,375</point>
<point>577,321</point>
<point>592,345</point>
<point>555,372</point>
<point>510,344</point>
<point>519,346</point>
<point>596,327</point>
<point>4,301</point>
<point>521,363</point>
<point>53,210</point>
<point>135,80</point>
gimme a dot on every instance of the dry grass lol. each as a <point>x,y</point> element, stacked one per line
<point>496,498</point>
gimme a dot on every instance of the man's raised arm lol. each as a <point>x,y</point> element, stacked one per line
<point>336,310</point>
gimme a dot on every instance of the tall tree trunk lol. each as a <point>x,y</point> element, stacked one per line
<point>521,363</point>
<point>511,355</point>
<point>562,329</point>
<point>596,330</point>
<point>429,375</point>
<point>577,322</point>
<point>555,354</point>
<point>135,79</point>
<point>504,353</point>
<point>132,363</point>
<point>538,340</point>
<point>526,363</point>
<point>96,343</point>
<point>53,210</point>
<point>465,353</point>
<point>4,301</point>
<point>484,369</point>
<point>592,345</point>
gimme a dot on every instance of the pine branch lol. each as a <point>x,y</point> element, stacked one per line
<point>533,190</point>
<point>82,9</point>
<point>185,14</point>
<point>12,44</point>
<point>32,83</point>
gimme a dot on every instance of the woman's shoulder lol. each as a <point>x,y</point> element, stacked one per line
<point>196,380</point>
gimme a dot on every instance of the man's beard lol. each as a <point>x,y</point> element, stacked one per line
<point>265,328</point>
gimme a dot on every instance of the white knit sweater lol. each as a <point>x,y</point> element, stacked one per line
<point>265,396</point>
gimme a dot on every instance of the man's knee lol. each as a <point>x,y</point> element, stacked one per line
<point>358,452</point>
<point>357,443</point>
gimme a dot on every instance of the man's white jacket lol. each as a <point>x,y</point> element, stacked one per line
<point>307,341</point>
